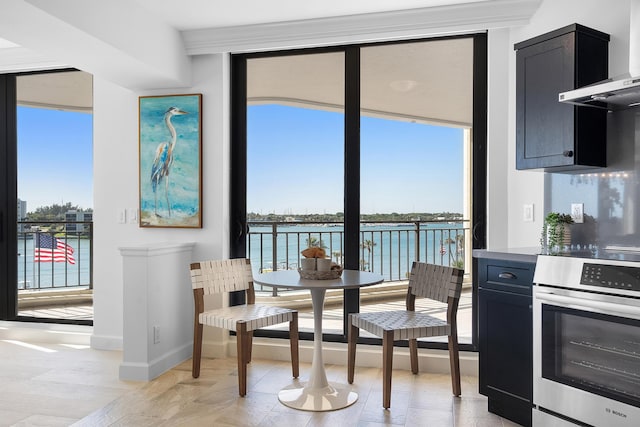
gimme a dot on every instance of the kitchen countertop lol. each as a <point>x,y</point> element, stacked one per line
<point>509,254</point>
<point>531,254</point>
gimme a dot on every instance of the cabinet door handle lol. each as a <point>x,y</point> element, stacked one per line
<point>567,153</point>
<point>507,275</point>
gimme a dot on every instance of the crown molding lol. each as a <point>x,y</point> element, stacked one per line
<point>19,59</point>
<point>404,24</point>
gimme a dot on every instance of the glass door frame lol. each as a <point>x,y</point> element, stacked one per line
<point>9,201</point>
<point>238,215</point>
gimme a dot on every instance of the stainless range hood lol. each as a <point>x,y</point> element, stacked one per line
<point>620,93</point>
<point>612,94</point>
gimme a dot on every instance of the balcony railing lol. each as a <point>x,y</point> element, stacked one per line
<point>388,248</point>
<point>73,270</point>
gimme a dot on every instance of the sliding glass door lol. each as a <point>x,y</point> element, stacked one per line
<point>367,152</point>
<point>415,127</point>
<point>49,189</point>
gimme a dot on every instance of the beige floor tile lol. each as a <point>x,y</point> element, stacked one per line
<point>429,417</point>
<point>80,387</point>
<point>44,421</point>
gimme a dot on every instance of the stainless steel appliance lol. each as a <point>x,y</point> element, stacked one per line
<point>615,93</point>
<point>586,342</point>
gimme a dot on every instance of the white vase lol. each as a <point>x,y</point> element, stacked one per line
<point>563,245</point>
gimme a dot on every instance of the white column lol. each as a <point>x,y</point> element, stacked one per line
<point>158,309</point>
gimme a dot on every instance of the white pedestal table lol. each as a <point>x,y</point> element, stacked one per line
<point>317,394</point>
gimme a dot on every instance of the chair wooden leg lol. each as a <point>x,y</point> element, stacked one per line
<point>241,342</point>
<point>387,367</point>
<point>249,345</point>
<point>454,361</point>
<point>353,333</point>
<point>293,342</point>
<point>413,353</point>
<point>197,350</point>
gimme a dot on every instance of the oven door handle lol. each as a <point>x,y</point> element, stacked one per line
<point>590,305</point>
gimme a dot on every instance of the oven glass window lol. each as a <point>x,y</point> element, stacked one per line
<point>593,352</point>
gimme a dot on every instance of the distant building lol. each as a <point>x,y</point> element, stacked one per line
<point>22,215</point>
<point>74,221</point>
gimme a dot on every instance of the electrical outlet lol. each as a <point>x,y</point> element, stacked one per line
<point>156,334</point>
<point>527,213</point>
<point>577,212</point>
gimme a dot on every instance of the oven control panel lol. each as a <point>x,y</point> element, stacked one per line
<point>611,276</point>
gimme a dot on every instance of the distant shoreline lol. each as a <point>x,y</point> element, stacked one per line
<point>368,218</point>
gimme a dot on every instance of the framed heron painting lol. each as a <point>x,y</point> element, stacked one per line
<point>171,161</point>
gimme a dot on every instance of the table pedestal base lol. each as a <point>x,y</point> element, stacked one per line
<point>334,396</point>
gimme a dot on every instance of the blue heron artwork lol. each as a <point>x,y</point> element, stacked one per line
<point>170,161</point>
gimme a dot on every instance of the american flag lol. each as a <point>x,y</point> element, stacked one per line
<point>47,248</point>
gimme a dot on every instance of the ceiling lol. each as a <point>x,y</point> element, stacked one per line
<point>203,14</point>
<point>427,82</point>
<point>151,47</point>
<point>68,91</point>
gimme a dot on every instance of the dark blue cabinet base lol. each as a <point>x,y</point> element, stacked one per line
<point>505,337</point>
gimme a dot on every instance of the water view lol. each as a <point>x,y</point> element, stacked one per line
<point>388,249</point>
<point>42,275</point>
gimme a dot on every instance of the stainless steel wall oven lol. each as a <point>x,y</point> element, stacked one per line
<point>586,341</point>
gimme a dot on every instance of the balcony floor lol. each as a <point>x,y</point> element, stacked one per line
<point>68,312</point>
<point>67,303</point>
<point>332,319</point>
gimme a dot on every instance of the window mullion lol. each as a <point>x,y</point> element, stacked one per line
<point>351,175</point>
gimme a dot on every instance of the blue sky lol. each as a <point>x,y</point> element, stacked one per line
<point>295,163</point>
<point>55,157</point>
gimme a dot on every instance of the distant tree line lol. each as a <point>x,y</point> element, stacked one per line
<point>339,217</point>
<point>54,212</point>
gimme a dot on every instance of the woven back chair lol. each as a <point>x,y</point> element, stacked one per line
<point>435,282</point>
<point>222,276</point>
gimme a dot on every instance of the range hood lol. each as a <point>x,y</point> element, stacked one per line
<point>612,94</point>
<point>617,93</point>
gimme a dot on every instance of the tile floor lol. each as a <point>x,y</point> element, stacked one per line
<point>62,385</point>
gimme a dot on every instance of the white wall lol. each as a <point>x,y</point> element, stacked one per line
<point>116,186</point>
<point>527,187</point>
<point>116,156</point>
<point>498,138</point>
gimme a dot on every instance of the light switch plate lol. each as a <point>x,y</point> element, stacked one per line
<point>132,215</point>
<point>577,212</point>
<point>527,213</point>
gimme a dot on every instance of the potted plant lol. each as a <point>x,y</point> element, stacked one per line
<point>555,232</point>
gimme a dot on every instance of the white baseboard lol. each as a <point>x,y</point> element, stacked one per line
<point>148,371</point>
<point>217,350</point>
<point>434,361</point>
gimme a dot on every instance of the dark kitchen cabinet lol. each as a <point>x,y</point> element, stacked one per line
<point>549,134</point>
<point>505,337</point>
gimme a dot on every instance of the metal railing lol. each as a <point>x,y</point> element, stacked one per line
<point>70,263</point>
<point>388,248</point>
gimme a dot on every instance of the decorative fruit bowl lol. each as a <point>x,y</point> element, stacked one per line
<point>316,266</point>
<point>334,273</point>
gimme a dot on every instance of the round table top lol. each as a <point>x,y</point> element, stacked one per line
<point>292,279</point>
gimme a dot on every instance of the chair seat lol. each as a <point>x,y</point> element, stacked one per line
<point>254,315</point>
<point>404,324</point>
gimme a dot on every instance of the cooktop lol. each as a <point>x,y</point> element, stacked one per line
<point>607,253</point>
